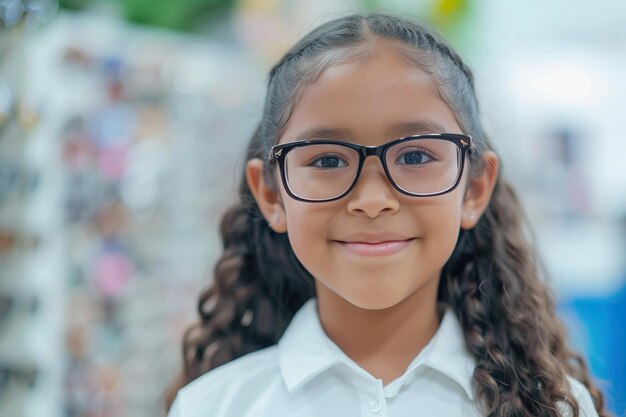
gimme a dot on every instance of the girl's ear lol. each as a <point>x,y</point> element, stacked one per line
<point>478,192</point>
<point>267,199</point>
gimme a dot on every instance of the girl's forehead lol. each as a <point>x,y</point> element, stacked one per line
<point>381,94</point>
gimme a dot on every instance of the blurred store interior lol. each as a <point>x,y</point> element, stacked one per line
<point>122,130</point>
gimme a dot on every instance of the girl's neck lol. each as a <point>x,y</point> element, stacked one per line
<point>383,342</point>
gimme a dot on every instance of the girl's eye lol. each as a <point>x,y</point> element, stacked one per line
<point>414,158</point>
<point>328,161</point>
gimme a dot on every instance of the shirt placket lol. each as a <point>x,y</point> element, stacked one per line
<point>372,399</point>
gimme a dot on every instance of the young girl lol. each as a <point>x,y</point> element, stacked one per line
<point>377,263</point>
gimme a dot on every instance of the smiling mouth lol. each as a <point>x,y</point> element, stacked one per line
<point>386,248</point>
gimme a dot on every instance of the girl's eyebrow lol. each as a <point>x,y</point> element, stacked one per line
<point>414,127</point>
<point>396,130</point>
<point>323,133</point>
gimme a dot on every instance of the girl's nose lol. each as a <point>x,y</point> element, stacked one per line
<point>373,195</point>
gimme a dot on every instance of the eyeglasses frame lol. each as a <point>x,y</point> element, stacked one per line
<point>279,152</point>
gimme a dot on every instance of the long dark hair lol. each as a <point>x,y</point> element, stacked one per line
<point>493,280</point>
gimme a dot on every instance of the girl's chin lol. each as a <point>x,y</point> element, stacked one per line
<point>372,298</point>
<point>374,301</point>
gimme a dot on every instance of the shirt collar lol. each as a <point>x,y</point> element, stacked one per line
<point>305,351</point>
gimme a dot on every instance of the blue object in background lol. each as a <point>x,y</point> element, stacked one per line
<point>598,329</point>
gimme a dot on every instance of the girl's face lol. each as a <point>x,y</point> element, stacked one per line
<point>367,100</point>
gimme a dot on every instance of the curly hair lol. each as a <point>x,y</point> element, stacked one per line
<point>493,280</point>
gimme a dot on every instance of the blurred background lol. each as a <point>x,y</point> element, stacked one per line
<point>122,130</point>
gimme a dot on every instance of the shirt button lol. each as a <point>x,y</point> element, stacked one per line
<point>375,406</point>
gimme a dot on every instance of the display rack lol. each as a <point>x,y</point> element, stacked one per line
<point>31,293</point>
<point>122,169</point>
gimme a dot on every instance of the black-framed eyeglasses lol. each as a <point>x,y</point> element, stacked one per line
<point>326,170</point>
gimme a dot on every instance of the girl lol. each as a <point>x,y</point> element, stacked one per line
<point>377,263</point>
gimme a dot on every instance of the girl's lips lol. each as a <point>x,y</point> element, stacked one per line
<point>376,249</point>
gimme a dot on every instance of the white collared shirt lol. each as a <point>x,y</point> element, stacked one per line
<point>307,375</point>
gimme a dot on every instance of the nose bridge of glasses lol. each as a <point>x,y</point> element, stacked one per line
<point>377,153</point>
<point>370,150</point>
<point>367,151</point>
<point>374,151</point>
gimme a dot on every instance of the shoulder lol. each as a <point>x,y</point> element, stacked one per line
<point>582,397</point>
<point>226,382</point>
